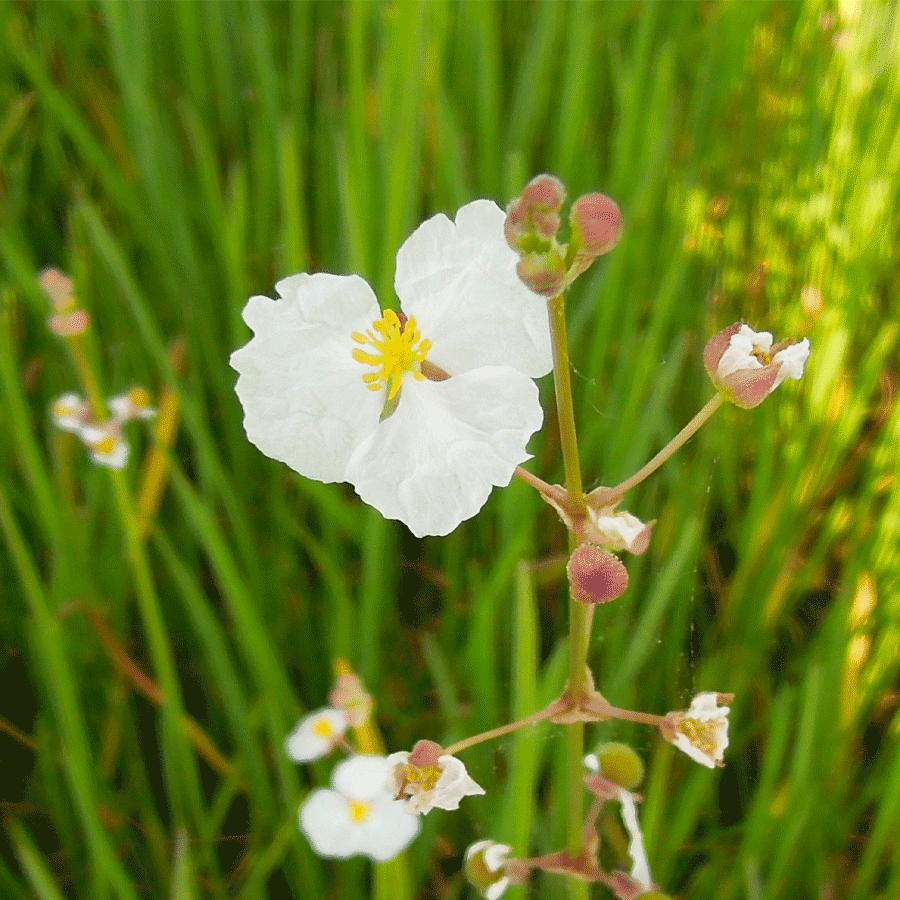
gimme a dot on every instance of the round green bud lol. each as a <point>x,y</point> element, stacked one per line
<point>621,764</point>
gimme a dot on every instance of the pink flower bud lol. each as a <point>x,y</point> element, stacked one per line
<point>746,367</point>
<point>596,575</point>
<point>596,224</point>
<point>532,220</point>
<point>543,273</point>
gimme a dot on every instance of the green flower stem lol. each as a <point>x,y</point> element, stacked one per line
<point>608,496</point>
<point>579,616</point>
<point>501,730</point>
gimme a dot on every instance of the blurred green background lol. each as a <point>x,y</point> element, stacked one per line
<point>177,157</point>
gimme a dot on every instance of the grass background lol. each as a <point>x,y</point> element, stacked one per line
<point>176,158</point>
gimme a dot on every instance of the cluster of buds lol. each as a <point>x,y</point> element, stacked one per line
<point>532,227</point>
<point>68,318</point>
<point>103,438</point>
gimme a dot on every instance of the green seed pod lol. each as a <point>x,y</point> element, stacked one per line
<point>621,764</point>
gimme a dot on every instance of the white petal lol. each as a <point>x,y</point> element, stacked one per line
<point>695,753</point>
<point>306,743</point>
<point>68,412</point>
<point>432,464</point>
<point>640,869</point>
<point>361,777</point>
<point>496,889</point>
<point>304,399</point>
<point>793,361</point>
<point>326,818</point>
<point>389,830</point>
<point>459,281</point>
<point>454,784</point>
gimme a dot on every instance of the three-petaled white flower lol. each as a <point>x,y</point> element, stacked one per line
<point>422,412</point>
<point>745,366</point>
<point>485,864</point>
<point>701,731</point>
<point>359,816</point>
<point>440,784</point>
<point>315,735</point>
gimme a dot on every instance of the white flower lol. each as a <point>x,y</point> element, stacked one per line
<point>441,785</point>
<point>316,734</point>
<point>486,868</point>
<point>701,731</point>
<point>135,404</point>
<point>340,391</point>
<point>359,816</point>
<point>640,869</point>
<point>619,531</point>
<point>70,413</point>
<point>741,363</point>
<point>108,447</point>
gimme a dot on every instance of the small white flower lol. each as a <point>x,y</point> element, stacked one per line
<point>640,869</point>
<point>422,415</point>
<point>316,734</point>
<point>70,413</point>
<point>620,531</point>
<point>741,363</point>
<point>441,785</point>
<point>485,864</point>
<point>108,447</point>
<point>359,816</point>
<point>135,404</point>
<point>701,731</point>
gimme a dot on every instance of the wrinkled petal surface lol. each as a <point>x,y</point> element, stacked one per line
<point>304,399</point>
<point>459,280</point>
<point>433,463</point>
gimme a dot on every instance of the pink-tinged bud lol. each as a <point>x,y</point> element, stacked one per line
<point>66,324</point>
<point>746,367</point>
<point>543,273</point>
<point>532,220</point>
<point>425,753</point>
<point>596,575</point>
<point>596,226</point>
<point>58,286</point>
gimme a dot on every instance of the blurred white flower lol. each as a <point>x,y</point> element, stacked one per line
<point>701,731</point>
<point>441,784</point>
<point>486,868</point>
<point>359,816</point>
<point>135,404</point>
<point>70,413</point>
<point>316,734</point>
<point>108,447</point>
<point>422,415</point>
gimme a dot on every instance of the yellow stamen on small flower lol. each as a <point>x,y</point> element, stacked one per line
<point>106,445</point>
<point>764,358</point>
<point>139,398</point>
<point>399,348</point>
<point>700,734</point>
<point>322,728</point>
<point>359,811</point>
<point>425,778</point>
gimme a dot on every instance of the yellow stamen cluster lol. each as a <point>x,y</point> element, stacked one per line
<point>139,398</point>
<point>702,735</point>
<point>425,778</point>
<point>399,348</point>
<point>359,811</point>
<point>764,358</point>
<point>322,728</point>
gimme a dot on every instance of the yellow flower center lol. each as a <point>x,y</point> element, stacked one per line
<point>701,734</point>
<point>322,727</point>
<point>106,445</point>
<point>424,778</point>
<point>359,811</point>
<point>764,358</point>
<point>139,398</point>
<point>398,348</point>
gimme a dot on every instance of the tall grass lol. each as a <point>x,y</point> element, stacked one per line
<point>176,158</point>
